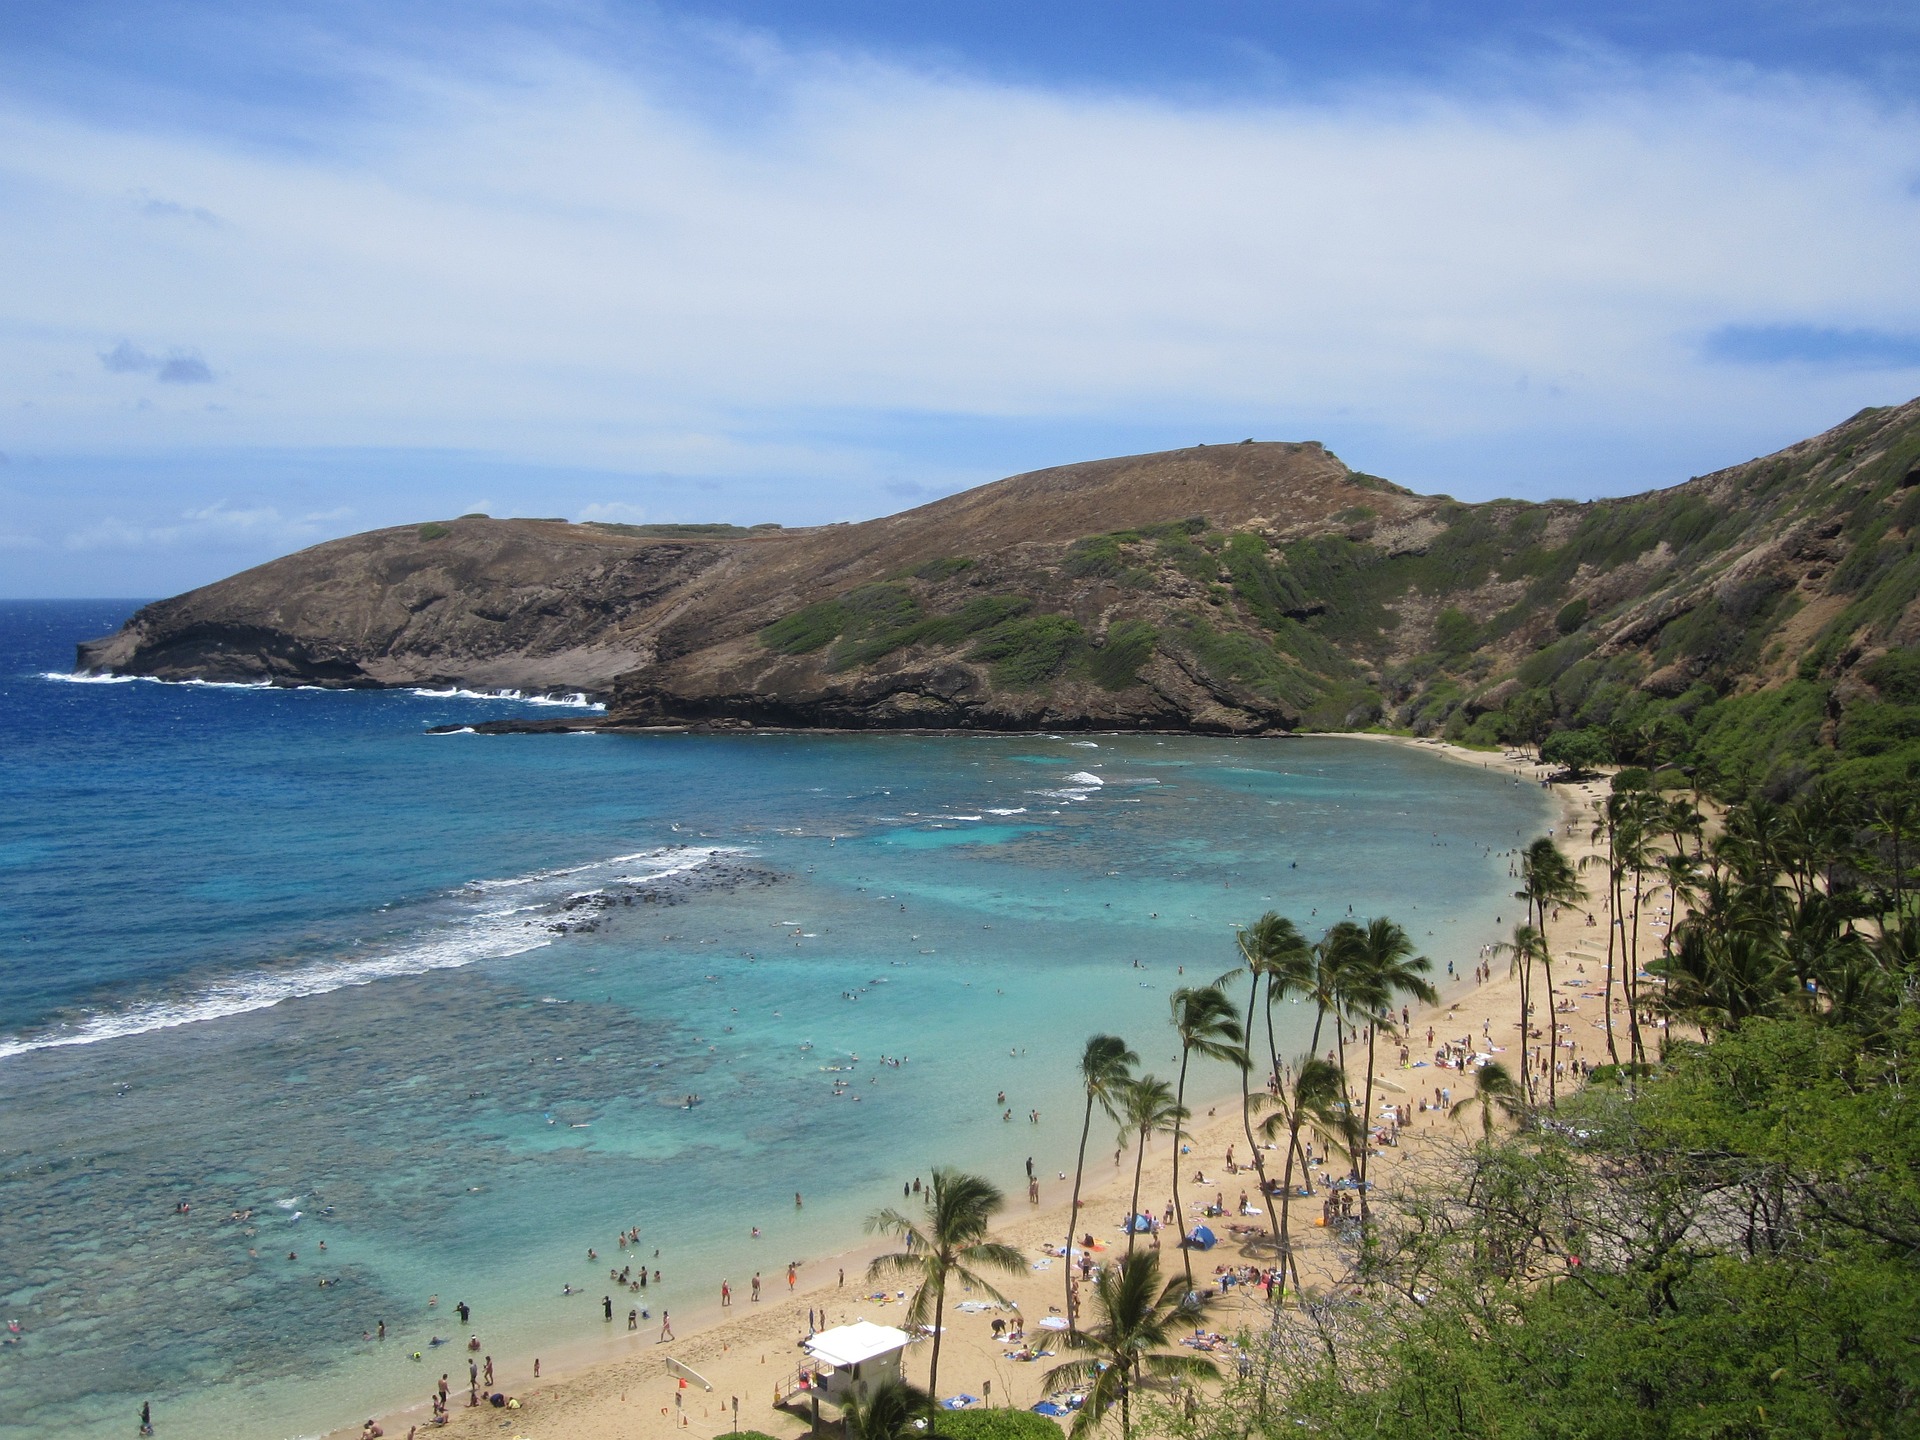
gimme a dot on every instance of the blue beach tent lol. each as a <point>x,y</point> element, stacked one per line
<point>1201,1238</point>
<point>1138,1224</point>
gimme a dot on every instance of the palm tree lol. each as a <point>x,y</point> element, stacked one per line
<point>1611,818</point>
<point>1314,1097</point>
<point>1273,950</point>
<point>1129,1345</point>
<point>1523,950</point>
<point>1106,1064</point>
<point>1147,1108</point>
<point>1493,1089</point>
<point>890,1412</point>
<point>1386,968</point>
<point>952,1241</point>
<point>1547,880</point>
<point>1208,1026</point>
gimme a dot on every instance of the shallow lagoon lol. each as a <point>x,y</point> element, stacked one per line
<point>403,1060</point>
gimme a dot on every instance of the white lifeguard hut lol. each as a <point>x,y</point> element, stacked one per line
<point>855,1358</point>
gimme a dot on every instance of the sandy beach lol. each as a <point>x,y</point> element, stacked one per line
<point>622,1387</point>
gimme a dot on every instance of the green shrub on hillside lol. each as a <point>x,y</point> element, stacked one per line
<point>1233,657</point>
<point>808,629</point>
<point>1104,557</point>
<point>1027,653</point>
<point>1116,664</point>
<point>433,530</point>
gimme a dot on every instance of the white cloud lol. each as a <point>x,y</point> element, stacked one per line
<point>208,526</point>
<point>537,254</point>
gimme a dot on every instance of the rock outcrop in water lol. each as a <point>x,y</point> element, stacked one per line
<point>1246,588</point>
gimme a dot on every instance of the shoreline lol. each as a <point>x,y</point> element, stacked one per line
<point>600,1389</point>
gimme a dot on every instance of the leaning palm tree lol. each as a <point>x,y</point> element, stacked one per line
<point>1147,1108</point>
<point>1129,1344</point>
<point>1271,950</point>
<point>1493,1090</point>
<point>1313,1100</point>
<point>893,1410</point>
<point>1384,959</point>
<point>1208,1026</point>
<point>950,1241</point>
<point>1106,1064</point>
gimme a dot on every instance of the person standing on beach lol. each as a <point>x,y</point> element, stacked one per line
<point>486,1375</point>
<point>465,1310</point>
<point>606,1304</point>
<point>756,1287</point>
<point>146,1417</point>
<point>791,1273</point>
<point>666,1328</point>
<point>726,1295</point>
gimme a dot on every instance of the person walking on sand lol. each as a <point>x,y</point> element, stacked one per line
<point>756,1287</point>
<point>666,1328</point>
<point>790,1276</point>
<point>726,1295</point>
<point>146,1417</point>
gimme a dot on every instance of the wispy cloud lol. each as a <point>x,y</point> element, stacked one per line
<point>671,255</point>
<point>179,367</point>
<point>218,524</point>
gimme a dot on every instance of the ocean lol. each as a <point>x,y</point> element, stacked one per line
<point>441,1002</point>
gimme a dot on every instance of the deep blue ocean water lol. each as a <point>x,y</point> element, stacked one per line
<point>282,951</point>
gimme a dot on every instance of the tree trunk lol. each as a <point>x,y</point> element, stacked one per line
<point>1134,1209</point>
<point>1633,969</point>
<point>1179,1215</point>
<point>933,1360</point>
<point>1246,1113</point>
<point>1613,908</point>
<point>1073,1213</point>
<point>1366,1124</point>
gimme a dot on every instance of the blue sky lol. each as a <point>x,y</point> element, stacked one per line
<point>283,272</point>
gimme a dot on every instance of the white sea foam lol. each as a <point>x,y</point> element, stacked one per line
<point>77,677</point>
<point>463,730</point>
<point>492,933</point>
<point>1018,810</point>
<point>1082,777</point>
<point>574,701</point>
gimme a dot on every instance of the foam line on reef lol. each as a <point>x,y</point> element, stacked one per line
<point>495,932</point>
<point>575,700</point>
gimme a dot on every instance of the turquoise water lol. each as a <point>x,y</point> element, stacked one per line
<point>282,951</point>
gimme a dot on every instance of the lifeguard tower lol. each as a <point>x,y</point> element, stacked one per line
<point>851,1360</point>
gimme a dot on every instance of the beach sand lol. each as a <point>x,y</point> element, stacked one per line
<point>622,1388</point>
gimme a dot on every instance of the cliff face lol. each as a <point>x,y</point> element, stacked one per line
<point>1241,588</point>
